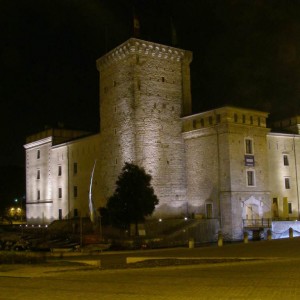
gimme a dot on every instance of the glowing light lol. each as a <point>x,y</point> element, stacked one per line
<point>159,220</point>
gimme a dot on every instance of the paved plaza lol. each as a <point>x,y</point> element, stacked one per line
<point>272,273</point>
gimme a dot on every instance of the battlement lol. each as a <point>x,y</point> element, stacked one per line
<point>291,125</point>
<point>137,46</point>
<point>226,114</point>
<point>56,135</point>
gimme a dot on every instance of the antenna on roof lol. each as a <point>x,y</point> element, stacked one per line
<point>136,25</point>
<point>174,39</point>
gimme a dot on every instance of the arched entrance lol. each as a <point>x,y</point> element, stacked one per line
<point>252,209</point>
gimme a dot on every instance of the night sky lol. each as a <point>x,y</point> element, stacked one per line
<point>246,53</point>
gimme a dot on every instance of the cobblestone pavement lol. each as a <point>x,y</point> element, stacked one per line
<point>272,277</point>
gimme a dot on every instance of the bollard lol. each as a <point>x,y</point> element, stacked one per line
<point>191,243</point>
<point>246,237</point>
<point>220,239</point>
<point>291,232</point>
<point>269,235</point>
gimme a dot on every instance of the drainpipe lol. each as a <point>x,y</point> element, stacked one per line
<point>219,176</point>
<point>296,172</point>
<point>68,181</point>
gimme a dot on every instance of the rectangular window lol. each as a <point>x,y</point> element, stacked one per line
<point>194,124</point>
<point>287,183</point>
<point>60,214</point>
<point>218,118</point>
<point>275,208</point>
<point>209,210</point>
<point>75,191</point>
<point>202,122</point>
<point>59,193</point>
<point>38,154</point>
<point>250,178</point>
<point>290,208</point>
<point>258,121</point>
<point>75,168</point>
<point>59,170</point>
<point>38,195</point>
<point>210,120</point>
<point>249,146</point>
<point>38,174</point>
<point>285,160</point>
<point>251,120</point>
<point>75,212</point>
<point>235,118</point>
<point>244,119</point>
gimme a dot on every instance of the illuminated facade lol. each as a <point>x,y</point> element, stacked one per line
<point>222,164</point>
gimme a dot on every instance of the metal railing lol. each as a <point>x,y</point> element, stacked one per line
<point>263,222</point>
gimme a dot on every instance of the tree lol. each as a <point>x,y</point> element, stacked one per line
<point>133,199</point>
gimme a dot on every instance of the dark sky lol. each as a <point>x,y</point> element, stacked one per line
<point>246,53</point>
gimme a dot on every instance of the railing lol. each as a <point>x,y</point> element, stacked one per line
<point>250,223</point>
<point>265,222</point>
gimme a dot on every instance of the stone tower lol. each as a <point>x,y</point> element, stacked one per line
<point>144,92</point>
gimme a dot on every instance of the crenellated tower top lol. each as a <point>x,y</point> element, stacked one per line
<point>137,46</point>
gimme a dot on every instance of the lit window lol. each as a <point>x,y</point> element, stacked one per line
<point>75,168</point>
<point>59,170</point>
<point>38,174</point>
<point>38,154</point>
<point>250,178</point>
<point>75,191</point>
<point>285,160</point>
<point>290,208</point>
<point>249,146</point>
<point>59,193</point>
<point>287,183</point>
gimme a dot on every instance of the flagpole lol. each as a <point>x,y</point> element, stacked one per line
<point>136,24</point>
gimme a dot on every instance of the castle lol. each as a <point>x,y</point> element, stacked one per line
<point>222,164</point>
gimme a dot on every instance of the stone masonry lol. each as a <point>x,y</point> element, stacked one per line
<point>223,164</point>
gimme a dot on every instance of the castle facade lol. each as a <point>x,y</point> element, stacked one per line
<point>223,164</point>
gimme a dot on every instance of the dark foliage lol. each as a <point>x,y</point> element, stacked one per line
<point>133,199</point>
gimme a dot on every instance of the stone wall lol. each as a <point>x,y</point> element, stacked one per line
<point>217,173</point>
<point>141,100</point>
<point>280,145</point>
<point>38,180</point>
